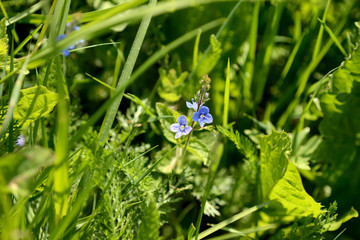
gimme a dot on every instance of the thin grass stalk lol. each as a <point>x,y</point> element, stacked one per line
<point>218,33</point>
<point>226,95</point>
<point>250,61</point>
<point>211,176</point>
<point>263,60</point>
<point>196,49</point>
<point>97,28</point>
<point>61,178</point>
<point>321,32</point>
<point>230,220</point>
<point>335,39</point>
<point>125,76</point>
<point>304,77</point>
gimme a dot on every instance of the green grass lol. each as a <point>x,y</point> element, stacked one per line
<point>278,160</point>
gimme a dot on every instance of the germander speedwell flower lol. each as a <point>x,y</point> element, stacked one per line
<point>202,116</point>
<point>193,105</point>
<point>181,127</point>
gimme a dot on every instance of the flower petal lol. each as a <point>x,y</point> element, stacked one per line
<point>60,37</point>
<point>186,130</point>
<point>178,134</point>
<point>196,116</point>
<point>189,105</point>
<point>175,127</point>
<point>208,118</point>
<point>204,110</point>
<point>66,52</point>
<point>201,122</point>
<point>182,120</point>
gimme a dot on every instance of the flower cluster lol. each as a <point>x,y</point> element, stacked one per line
<point>70,27</point>
<point>201,114</point>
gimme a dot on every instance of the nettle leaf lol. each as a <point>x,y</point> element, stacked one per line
<point>3,40</point>
<point>341,107</point>
<point>281,181</point>
<point>211,58</point>
<point>291,197</point>
<point>274,154</point>
<point>339,151</point>
<point>34,103</point>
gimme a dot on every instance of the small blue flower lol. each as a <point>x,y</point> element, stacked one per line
<point>193,105</point>
<point>66,51</point>
<point>202,116</point>
<point>20,142</point>
<point>181,127</point>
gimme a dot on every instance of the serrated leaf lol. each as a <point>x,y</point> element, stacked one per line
<point>281,181</point>
<point>34,103</point>
<point>291,197</point>
<point>341,107</point>
<point>274,154</point>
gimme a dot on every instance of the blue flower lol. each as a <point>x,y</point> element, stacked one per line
<point>20,142</point>
<point>66,51</point>
<point>181,127</point>
<point>202,116</point>
<point>193,105</point>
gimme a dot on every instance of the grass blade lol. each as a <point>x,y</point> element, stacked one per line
<point>230,220</point>
<point>125,76</point>
<point>226,95</point>
<point>174,44</point>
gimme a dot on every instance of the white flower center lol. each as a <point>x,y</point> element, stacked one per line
<point>182,127</point>
<point>202,115</point>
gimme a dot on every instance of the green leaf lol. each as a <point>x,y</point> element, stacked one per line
<point>19,169</point>
<point>339,152</point>
<point>34,103</point>
<point>172,86</point>
<point>211,59</point>
<point>201,145</point>
<point>341,107</point>
<point>281,181</point>
<point>291,197</point>
<point>304,148</point>
<point>352,213</point>
<point>274,155</point>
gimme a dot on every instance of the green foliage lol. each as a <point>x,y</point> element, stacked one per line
<point>211,59</point>
<point>82,175</point>
<point>150,221</point>
<point>242,143</point>
<point>172,86</point>
<point>281,182</point>
<point>309,227</point>
<point>19,169</point>
<point>34,103</point>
